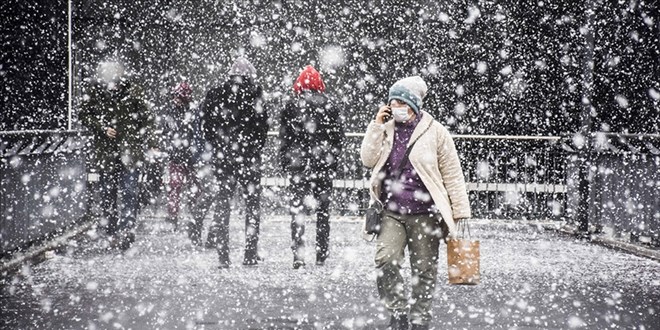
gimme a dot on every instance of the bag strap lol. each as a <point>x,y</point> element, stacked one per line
<point>461,227</point>
<point>399,168</point>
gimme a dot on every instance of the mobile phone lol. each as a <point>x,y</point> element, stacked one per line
<point>388,116</point>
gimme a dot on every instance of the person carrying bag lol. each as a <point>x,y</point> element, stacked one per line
<point>422,201</point>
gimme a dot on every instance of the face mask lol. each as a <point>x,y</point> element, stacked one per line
<point>400,114</point>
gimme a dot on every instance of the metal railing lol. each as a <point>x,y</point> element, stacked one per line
<point>42,185</point>
<point>614,185</point>
<point>37,142</point>
<point>509,177</point>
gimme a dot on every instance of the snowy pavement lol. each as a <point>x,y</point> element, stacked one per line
<point>531,278</point>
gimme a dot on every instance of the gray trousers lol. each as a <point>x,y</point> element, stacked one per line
<point>422,235</point>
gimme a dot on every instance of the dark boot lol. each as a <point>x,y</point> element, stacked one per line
<point>298,261</point>
<point>125,240</point>
<point>320,258</point>
<point>399,322</point>
<point>111,227</point>
<point>223,257</point>
<point>212,238</point>
<point>113,242</point>
<point>251,258</point>
<point>195,234</point>
<point>224,264</point>
<point>173,220</point>
<point>419,327</point>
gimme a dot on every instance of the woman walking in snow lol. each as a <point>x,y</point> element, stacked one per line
<point>423,195</point>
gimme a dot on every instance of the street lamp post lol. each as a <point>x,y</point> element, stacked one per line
<point>585,150</point>
<point>70,65</point>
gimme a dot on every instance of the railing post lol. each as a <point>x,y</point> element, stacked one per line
<point>584,159</point>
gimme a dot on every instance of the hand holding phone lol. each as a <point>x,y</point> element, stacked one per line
<point>384,114</point>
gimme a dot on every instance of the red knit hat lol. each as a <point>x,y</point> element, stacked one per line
<point>183,91</point>
<point>309,80</point>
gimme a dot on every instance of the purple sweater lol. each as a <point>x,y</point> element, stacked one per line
<point>405,194</point>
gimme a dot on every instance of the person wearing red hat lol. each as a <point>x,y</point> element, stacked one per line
<point>311,134</point>
<point>182,132</point>
<point>309,80</point>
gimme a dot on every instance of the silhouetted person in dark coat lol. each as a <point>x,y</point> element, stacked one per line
<point>236,125</point>
<point>116,113</point>
<point>311,133</point>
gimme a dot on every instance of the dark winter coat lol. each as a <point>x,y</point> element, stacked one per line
<point>182,132</point>
<point>311,133</point>
<point>235,124</point>
<point>125,109</point>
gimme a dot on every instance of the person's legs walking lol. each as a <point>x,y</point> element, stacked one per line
<point>224,194</point>
<point>177,179</point>
<point>322,193</point>
<point>108,185</point>
<point>252,194</point>
<point>297,189</point>
<point>206,193</point>
<point>129,207</point>
<point>219,230</point>
<point>390,246</point>
<point>220,222</point>
<point>424,264</point>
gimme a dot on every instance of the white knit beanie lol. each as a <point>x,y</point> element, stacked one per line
<point>243,67</point>
<point>411,90</point>
<point>110,71</point>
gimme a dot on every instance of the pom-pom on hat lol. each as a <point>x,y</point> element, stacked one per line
<point>309,80</point>
<point>411,90</point>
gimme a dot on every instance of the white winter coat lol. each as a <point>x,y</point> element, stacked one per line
<point>433,157</point>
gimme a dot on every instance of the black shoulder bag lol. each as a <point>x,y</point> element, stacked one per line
<point>374,214</point>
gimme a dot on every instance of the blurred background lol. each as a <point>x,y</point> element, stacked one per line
<point>493,67</point>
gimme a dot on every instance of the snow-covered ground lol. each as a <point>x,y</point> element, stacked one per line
<point>531,278</point>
